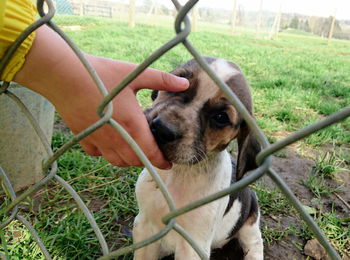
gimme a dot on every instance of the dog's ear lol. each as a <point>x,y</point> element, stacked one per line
<point>248,146</point>
<point>248,149</point>
<point>154,94</point>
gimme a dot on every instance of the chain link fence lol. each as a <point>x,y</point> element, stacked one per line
<point>182,28</point>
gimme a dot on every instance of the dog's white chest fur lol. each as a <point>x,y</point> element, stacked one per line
<point>186,187</point>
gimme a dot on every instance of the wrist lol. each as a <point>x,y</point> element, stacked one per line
<point>53,70</point>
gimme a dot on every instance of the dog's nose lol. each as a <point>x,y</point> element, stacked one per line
<point>163,132</point>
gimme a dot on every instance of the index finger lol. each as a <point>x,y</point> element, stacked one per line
<point>159,80</point>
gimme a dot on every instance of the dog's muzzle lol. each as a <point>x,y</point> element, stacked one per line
<point>164,132</point>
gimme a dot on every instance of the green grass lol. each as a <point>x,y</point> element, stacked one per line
<point>107,190</point>
<point>319,186</point>
<point>295,81</point>
<point>335,228</point>
<point>271,235</point>
<point>19,243</point>
<point>271,200</point>
<point>327,165</point>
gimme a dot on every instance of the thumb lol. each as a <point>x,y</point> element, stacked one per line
<point>158,80</point>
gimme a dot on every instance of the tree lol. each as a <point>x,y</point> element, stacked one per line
<point>258,21</point>
<point>294,23</point>
<point>322,26</point>
<point>234,16</point>
<point>306,26</point>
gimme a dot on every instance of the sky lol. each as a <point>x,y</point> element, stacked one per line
<point>339,8</point>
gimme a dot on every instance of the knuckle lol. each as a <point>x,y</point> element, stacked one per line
<point>116,162</point>
<point>134,160</point>
<point>167,79</point>
<point>90,149</point>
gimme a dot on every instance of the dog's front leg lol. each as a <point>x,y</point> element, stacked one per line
<point>184,251</point>
<point>150,252</point>
<point>141,231</point>
<point>252,243</point>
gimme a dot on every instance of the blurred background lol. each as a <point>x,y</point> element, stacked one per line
<point>264,18</point>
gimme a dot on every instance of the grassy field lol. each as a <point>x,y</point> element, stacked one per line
<point>296,80</point>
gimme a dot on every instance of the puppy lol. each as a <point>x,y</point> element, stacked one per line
<point>193,128</point>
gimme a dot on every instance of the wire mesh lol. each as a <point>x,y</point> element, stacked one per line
<point>105,110</point>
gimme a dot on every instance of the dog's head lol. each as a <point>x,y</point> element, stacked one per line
<point>192,125</point>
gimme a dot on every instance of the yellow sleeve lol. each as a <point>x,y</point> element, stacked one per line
<point>15,16</point>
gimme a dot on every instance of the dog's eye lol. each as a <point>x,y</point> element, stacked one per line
<point>220,119</point>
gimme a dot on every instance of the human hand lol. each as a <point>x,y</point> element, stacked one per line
<point>53,70</point>
<point>106,141</point>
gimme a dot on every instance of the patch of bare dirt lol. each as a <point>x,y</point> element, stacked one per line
<point>293,169</point>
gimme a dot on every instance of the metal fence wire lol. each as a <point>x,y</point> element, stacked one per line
<point>182,28</point>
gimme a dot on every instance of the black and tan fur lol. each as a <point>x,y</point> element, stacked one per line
<point>193,128</point>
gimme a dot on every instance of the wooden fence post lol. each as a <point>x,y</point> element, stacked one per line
<point>331,30</point>
<point>131,23</point>
<point>195,18</point>
<point>258,22</point>
<point>234,17</point>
